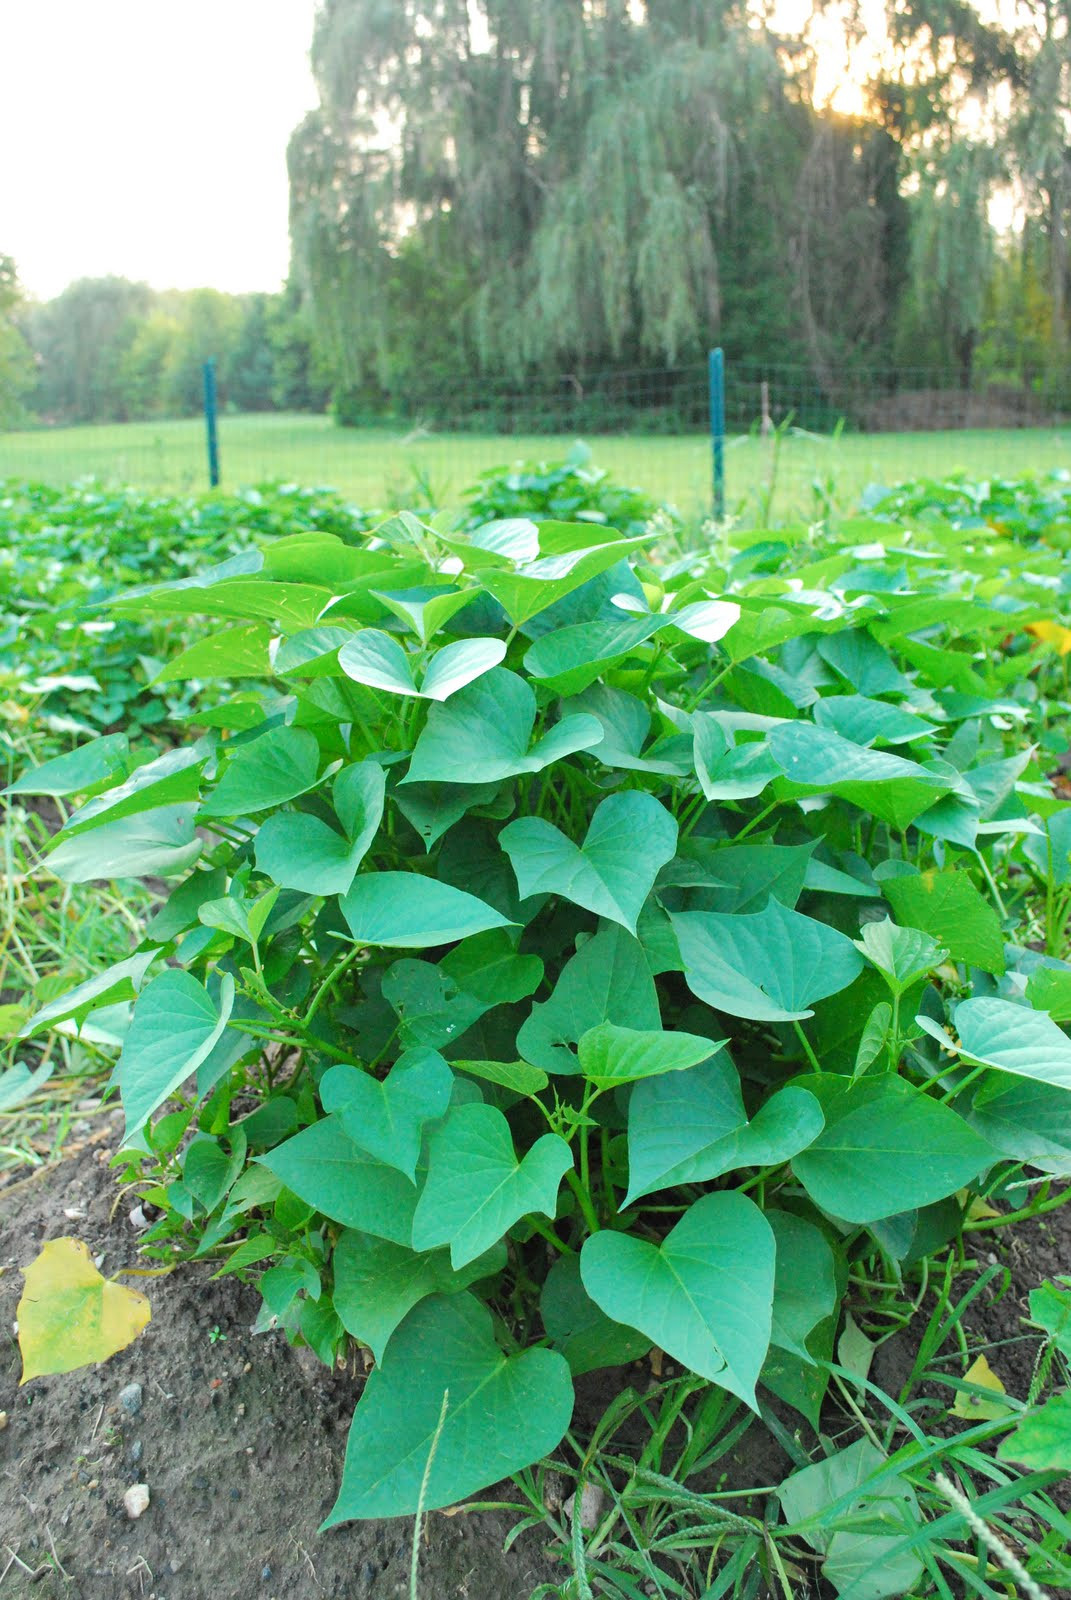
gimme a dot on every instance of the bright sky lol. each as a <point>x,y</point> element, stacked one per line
<point>148,139</point>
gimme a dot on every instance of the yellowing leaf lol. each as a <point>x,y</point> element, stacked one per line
<point>974,1407</point>
<point>978,1210</point>
<point>69,1316</point>
<point>1053,633</point>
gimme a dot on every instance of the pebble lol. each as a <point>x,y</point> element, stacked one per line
<point>592,1500</point>
<point>136,1500</point>
<point>133,1455</point>
<point>3,1420</point>
<point>265,1574</point>
<point>130,1398</point>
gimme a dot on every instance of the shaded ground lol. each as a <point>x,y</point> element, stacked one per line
<point>241,1439</point>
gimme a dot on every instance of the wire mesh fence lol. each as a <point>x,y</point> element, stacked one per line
<point>796,434</point>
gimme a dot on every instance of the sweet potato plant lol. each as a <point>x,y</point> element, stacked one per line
<point>568,956</point>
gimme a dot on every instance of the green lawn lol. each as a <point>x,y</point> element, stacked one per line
<point>380,466</point>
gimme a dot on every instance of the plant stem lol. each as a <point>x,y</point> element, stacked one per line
<point>806,1043</point>
<point>761,817</point>
<point>583,1200</point>
<point>708,687</point>
<point>1024,1215</point>
<point>332,978</point>
<point>964,1083</point>
<point>546,1232</point>
<point>994,891</point>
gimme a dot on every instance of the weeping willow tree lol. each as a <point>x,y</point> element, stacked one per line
<point>964,65</point>
<point>953,253</point>
<point>568,184</point>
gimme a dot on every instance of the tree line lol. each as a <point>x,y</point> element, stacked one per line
<point>523,186</point>
<point>110,350</point>
<point>497,194</point>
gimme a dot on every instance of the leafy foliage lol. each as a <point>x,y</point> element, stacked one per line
<point>607,984</point>
<point>66,548</point>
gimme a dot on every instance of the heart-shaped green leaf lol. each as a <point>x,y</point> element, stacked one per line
<point>476,1188</point>
<point>115,983</point>
<point>324,1167</point>
<point>483,734</point>
<point>426,610</point>
<point>1014,1039</point>
<point>610,1055</point>
<point>1022,1118</point>
<point>631,837</point>
<point>569,659</point>
<point>301,852</point>
<point>387,1119</point>
<point>433,808</point>
<point>377,1282</point>
<point>866,722</point>
<point>948,907</point>
<point>769,966</point>
<point>491,969</point>
<point>608,980</point>
<point>162,842</point>
<point>818,761</point>
<point>79,770</point>
<point>278,766</point>
<point>886,1148</point>
<point>901,955</point>
<point>691,1127</point>
<point>408,911</point>
<point>728,771</point>
<point>1042,1440</point>
<point>626,724</point>
<point>575,1325</point>
<point>175,1026</point>
<point>529,589</point>
<point>446,1413</point>
<point>805,1282</point>
<point>378,660</point>
<point>705,1296</point>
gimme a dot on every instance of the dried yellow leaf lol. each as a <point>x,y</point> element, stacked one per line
<point>975,1407</point>
<point>69,1316</point>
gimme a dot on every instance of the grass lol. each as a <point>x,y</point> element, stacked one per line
<point>380,466</point>
<point>52,936</point>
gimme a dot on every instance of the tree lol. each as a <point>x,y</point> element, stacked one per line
<point>247,373</point>
<point>210,325</point>
<point>82,338</point>
<point>16,357</point>
<point>569,185</point>
<point>953,247</point>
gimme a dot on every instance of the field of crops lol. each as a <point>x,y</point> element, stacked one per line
<point>397,466</point>
<point>547,939</point>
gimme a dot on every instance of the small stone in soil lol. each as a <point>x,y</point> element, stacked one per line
<point>265,1574</point>
<point>133,1455</point>
<point>130,1398</point>
<point>136,1500</point>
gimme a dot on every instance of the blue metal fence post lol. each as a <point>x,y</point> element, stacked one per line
<point>717,429</point>
<point>209,371</point>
